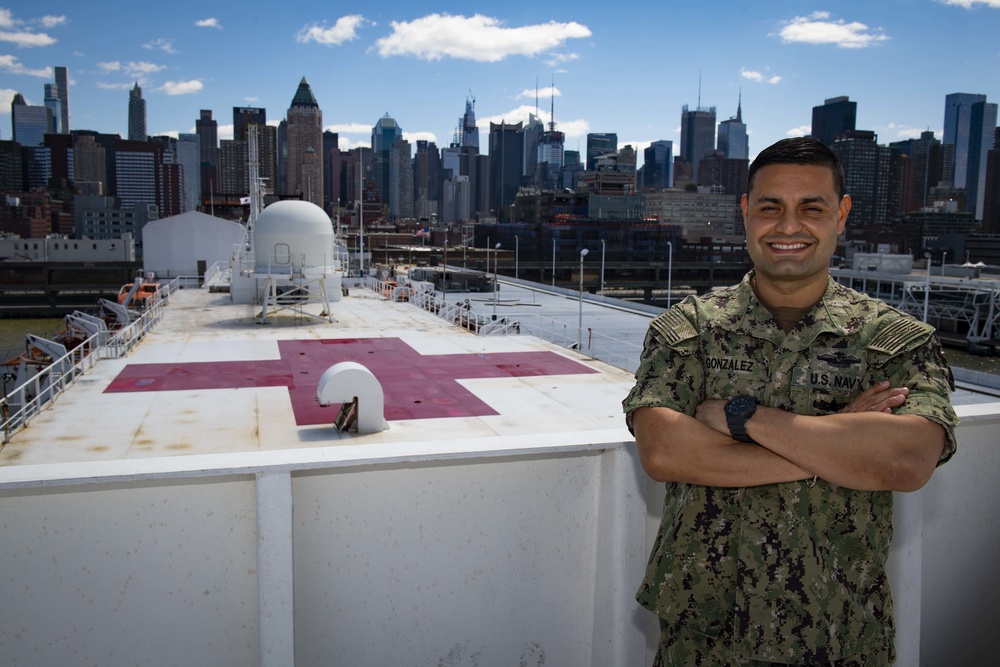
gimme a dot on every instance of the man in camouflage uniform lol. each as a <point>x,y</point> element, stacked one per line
<point>772,546</point>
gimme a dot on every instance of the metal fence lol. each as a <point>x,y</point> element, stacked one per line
<point>31,394</point>
<point>613,351</point>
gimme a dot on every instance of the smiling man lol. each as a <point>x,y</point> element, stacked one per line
<point>782,413</point>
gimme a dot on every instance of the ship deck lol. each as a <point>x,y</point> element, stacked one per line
<point>210,379</point>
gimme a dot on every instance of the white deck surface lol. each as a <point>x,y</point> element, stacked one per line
<point>87,424</point>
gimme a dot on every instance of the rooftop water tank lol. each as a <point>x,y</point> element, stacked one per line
<point>292,234</point>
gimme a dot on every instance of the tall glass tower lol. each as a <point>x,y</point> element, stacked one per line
<point>733,140</point>
<point>136,114</point>
<point>62,86</point>
<point>387,137</point>
<point>697,135</point>
<point>969,124</point>
<point>834,117</point>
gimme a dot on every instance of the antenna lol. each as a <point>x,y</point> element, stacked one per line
<point>536,95</point>
<point>699,90</point>
<point>552,112</point>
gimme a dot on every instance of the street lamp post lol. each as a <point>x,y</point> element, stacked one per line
<point>583,253</point>
<point>444,274</point>
<point>553,261</point>
<point>944,256</point>
<point>496,252</point>
<point>602,267</point>
<point>670,271</point>
<point>927,285</point>
<point>517,254</point>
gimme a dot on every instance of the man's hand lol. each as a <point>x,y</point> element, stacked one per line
<point>712,413</point>
<point>879,397</point>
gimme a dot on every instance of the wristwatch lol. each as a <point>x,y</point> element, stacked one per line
<point>738,411</point>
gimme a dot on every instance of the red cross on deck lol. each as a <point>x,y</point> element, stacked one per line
<point>416,386</point>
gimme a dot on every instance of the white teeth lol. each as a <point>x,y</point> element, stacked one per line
<point>788,246</point>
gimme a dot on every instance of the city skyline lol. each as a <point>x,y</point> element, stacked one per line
<point>609,73</point>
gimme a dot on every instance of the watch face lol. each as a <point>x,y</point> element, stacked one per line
<point>741,406</point>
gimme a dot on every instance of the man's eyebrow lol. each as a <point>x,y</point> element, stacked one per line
<point>771,199</point>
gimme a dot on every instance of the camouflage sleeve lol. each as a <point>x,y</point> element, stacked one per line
<point>910,356</point>
<point>670,373</point>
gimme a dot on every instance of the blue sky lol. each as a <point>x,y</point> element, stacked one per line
<point>616,68</point>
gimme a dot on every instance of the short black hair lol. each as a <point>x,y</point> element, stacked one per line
<point>800,150</point>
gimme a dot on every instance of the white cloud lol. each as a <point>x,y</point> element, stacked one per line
<point>165,45</point>
<point>800,131</point>
<point>817,28</point>
<point>346,144</point>
<point>27,39</point>
<point>209,23</point>
<point>574,128</point>
<point>571,128</point>
<point>52,21</point>
<point>350,128</point>
<point>902,132</point>
<point>759,76</point>
<point>182,87</point>
<point>414,137</point>
<point>116,86</point>
<point>480,38</point>
<point>344,30</point>
<point>142,67</point>
<point>12,65</point>
<point>969,4</point>
<point>6,97</point>
<point>556,59</point>
<point>225,132</point>
<point>550,91</point>
<point>15,32</point>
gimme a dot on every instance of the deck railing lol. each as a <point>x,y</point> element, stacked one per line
<point>26,399</point>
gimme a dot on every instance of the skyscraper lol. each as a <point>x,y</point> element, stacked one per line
<point>267,164</point>
<point>427,178</point>
<point>305,144</point>
<point>29,122</point>
<point>598,144</point>
<point>531,135</point>
<point>54,105</point>
<point>657,166</point>
<point>733,140</point>
<point>386,135</point>
<point>871,176</point>
<point>189,157</point>
<point>991,202</point>
<point>835,116</point>
<point>506,160</point>
<point>927,168</point>
<point>470,132</point>
<point>136,114</point>
<point>208,146</point>
<point>62,87</point>
<point>697,135</point>
<point>969,124</point>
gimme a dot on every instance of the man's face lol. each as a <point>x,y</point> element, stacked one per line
<point>793,217</point>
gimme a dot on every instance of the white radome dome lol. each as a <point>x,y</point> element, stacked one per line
<point>292,233</point>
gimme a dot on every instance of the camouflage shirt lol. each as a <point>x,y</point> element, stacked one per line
<point>795,570</point>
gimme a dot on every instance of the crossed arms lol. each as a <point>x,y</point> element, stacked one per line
<point>863,447</point>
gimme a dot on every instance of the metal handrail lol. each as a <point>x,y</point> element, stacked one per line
<point>616,352</point>
<point>28,397</point>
